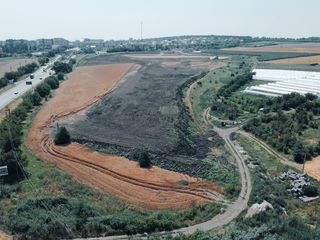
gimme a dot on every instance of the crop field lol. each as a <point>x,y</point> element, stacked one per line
<point>261,55</point>
<point>313,60</point>
<point>285,82</point>
<point>12,64</point>
<point>125,120</point>
<point>292,48</point>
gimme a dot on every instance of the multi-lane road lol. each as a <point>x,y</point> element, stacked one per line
<point>21,87</point>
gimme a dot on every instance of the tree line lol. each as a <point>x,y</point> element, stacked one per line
<point>12,125</point>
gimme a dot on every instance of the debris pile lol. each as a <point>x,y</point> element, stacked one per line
<point>258,208</point>
<point>298,182</point>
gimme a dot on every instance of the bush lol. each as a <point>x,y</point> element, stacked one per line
<point>60,76</point>
<point>53,82</point>
<point>43,89</point>
<point>61,67</point>
<point>143,158</point>
<point>62,136</point>
<point>310,191</point>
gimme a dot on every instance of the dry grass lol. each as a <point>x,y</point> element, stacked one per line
<point>298,60</point>
<point>13,65</point>
<point>294,47</point>
<point>312,168</point>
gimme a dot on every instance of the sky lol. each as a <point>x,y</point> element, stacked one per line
<point>121,19</point>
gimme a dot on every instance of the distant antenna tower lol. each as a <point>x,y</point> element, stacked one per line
<point>141,24</point>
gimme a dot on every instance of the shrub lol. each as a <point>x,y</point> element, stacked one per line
<point>62,136</point>
<point>53,82</point>
<point>43,89</point>
<point>310,191</point>
<point>143,158</point>
<point>60,76</point>
<point>61,67</point>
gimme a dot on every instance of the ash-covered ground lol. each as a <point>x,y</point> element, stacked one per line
<point>146,111</point>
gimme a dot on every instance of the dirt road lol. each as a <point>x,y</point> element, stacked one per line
<point>188,94</point>
<point>272,152</point>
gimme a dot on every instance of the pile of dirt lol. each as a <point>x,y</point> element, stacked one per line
<point>155,188</point>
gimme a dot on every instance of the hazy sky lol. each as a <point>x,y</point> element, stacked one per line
<point>120,19</point>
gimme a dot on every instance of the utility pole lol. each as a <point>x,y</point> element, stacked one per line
<point>141,25</point>
<point>304,161</point>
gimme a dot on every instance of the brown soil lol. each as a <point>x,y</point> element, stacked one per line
<point>298,60</point>
<point>4,236</point>
<point>13,65</point>
<point>312,168</point>
<point>169,63</point>
<point>153,188</point>
<point>208,64</point>
<point>298,48</point>
<point>188,103</point>
<point>187,99</point>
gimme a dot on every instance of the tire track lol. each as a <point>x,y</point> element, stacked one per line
<point>210,195</point>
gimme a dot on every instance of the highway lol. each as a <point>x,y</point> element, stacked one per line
<point>21,88</point>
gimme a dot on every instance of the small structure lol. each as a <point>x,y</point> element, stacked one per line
<point>306,199</point>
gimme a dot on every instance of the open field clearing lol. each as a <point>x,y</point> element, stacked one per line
<point>147,112</point>
<point>166,56</point>
<point>285,82</point>
<point>4,236</point>
<point>154,188</point>
<point>298,60</point>
<point>11,64</point>
<point>312,168</point>
<point>293,48</point>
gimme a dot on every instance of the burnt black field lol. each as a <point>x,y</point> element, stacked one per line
<point>146,111</point>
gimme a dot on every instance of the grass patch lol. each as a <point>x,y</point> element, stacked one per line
<point>266,187</point>
<point>183,183</point>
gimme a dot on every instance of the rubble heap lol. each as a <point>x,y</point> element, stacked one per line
<point>298,182</point>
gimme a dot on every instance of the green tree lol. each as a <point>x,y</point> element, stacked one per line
<point>143,158</point>
<point>299,152</point>
<point>43,89</point>
<point>62,136</point>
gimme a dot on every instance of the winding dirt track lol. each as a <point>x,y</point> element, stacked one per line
<point>154,188</point>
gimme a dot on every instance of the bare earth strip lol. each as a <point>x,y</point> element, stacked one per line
<point>4,236</point>
<point>312,168</point>
<point>297,48</point>
<point>188,102</point>
<point>298,60</point>
<point>154,188</point>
